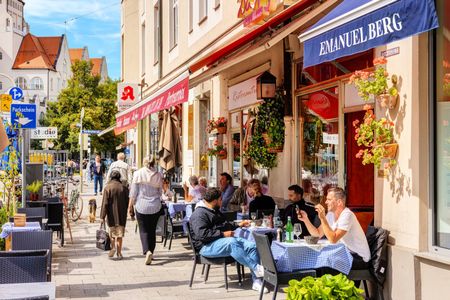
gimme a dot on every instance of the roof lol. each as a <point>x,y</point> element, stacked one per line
<point>38,52</point>
<point>76,54</point>
<point>97,66</point>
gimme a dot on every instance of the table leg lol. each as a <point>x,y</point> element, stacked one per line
<point>8,243</point>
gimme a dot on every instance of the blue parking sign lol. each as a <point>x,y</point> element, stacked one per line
<point>16,93</point>
<point>23,115</point>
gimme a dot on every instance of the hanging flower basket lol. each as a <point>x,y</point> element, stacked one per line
<point>222,129</point>
<point>387,100</point>
<point>390,150</point>
<point>222,155</point>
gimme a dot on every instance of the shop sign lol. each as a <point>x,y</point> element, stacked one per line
<point>391,52</point>
<point>44,133</point>
<point>172,96</point>
<point>242,94</point>
<point>328,138</point>
<point>255,11</point>
<point>127,95</point>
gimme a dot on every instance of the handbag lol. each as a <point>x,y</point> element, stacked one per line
<point>103,241</point>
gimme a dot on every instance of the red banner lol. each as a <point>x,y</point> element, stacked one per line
<point>174,95</point>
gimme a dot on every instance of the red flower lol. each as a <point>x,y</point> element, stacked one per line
<point>380,61</point>
<point>355,123</point>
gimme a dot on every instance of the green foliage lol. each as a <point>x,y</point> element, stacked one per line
<point>34,187</point>
<point>327,287</point>
<point>99,102</point>
<point>270,120</point>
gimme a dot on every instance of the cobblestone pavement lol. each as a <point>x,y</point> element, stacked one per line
<point>80,270</point>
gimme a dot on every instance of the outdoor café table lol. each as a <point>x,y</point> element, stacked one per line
<point>9,228</point>
<point>241,216</point>
<point>175,208</point>
<point>299,255</point>
<point>247,232</point>
<point>27,290</point>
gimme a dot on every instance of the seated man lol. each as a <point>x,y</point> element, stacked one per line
<point>195,192</point>
<point>340,224</point>
<point>214,237</point>
<point>260,202</point>
<point>295,194</point>
<point>242,197</point>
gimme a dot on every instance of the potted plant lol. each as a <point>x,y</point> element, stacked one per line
<point>220,124</point>
<point>376,83</point>
<point>218,150</point>
<point>377,137</point>
<point>34,188</point>
<point>326,287</point>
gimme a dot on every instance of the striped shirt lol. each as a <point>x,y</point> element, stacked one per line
<point>148,198</point>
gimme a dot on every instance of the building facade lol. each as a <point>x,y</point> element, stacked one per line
<point>225,53</point>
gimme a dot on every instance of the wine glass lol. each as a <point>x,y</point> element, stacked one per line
<point>297,230</point>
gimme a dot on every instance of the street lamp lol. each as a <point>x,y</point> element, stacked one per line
<point>81,149</point>
<point>266,85</point>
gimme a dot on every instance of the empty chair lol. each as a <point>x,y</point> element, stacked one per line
<point>200,259</point>
<point>32,211</point>
<point>55,219</point>
<point>173,228</point>
<point>271,274</point>
<point>35,240</point>
<point>376,271</point>
<point>23,266</point>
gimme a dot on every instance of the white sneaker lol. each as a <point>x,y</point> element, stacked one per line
<point>259,272</point>
<point>148,258</point>
<point>257,285</point>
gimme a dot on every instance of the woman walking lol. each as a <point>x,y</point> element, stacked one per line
<point>114,208</point>
<point>145,195</point>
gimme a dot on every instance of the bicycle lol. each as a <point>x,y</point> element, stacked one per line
<point>75,205</point>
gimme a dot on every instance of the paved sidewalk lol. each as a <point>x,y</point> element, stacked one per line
<point>80,270</point>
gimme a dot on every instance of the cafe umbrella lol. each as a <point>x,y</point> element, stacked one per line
<point>169,143</point>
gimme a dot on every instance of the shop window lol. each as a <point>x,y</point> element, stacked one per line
<point>320,142</point>
<point>440,78</point>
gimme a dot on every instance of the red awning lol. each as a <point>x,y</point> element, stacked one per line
<point>275,21</point>
<point>323,105</point>
<point>174,94</point>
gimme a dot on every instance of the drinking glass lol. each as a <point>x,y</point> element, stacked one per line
<point>253,216</point>
<point>297,230</point>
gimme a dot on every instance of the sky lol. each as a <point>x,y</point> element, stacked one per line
<point>91,23</point>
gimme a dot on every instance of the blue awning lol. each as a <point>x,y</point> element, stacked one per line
<point>358,25</point>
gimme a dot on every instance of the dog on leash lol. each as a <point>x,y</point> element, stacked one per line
<point>92,210</point>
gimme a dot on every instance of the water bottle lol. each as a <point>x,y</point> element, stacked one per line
<point>276,217</point>
<point>289,230</point>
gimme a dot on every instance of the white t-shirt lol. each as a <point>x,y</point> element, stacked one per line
<point>355,239</point>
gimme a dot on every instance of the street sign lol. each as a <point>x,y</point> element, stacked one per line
<point>41,133</point>
<point>16,93</point>
<point>91,131</point>
<point>5,103</point>
<point>23,115</point>
<point>127,95</point>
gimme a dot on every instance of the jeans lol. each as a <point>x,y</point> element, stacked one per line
<point>147,230</point>
<point>243,251</point>
<point>98,179</point>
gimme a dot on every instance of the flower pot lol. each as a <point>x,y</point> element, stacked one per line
<point>387,100</point>
<point>222,156</point>
<point>221,130</point>
<point>391,150</point>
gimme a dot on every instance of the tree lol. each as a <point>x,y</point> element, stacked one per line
<point>99,102</point>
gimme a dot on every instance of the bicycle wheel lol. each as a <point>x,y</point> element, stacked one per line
<point>75,205</point>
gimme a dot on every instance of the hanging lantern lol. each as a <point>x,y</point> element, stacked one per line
<point>266,86</point>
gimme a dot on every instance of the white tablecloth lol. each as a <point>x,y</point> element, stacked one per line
<point>8,228</point>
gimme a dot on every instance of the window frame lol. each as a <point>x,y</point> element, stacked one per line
<point>143,44</point>
<point>202,11</point>
<point>157,31</point>
<point>33,85</point>
<point>23,85</point>
<point>173,24</point>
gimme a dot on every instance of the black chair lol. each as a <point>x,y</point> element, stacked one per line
<point>55,221</point>
<point>23,266</point>
<point>199,259</point>
<point>230,216</point>
<point>35,240</point>
<point>30,219</point>
<point>376,272</point>
<point>178,189</point>
<point>260,213</point>
<point>271,274</point>
<point>173,228</point>
<point>32,211</point>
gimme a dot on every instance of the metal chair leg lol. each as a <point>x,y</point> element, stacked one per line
<point>193,272</point>
<point>261,292</point>
<point>226,276</point>
<point>243,272</point>
<point>238,267</point>
<point>165,239</point>
<point>170,242</point>
<point>203,269</point>
<point>275,291</point>
<point>207,272</point>
<point>366,289</point>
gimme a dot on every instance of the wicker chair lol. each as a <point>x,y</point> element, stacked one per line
<point>23,266</point>
<point>35,240</point>
<point>32,211</point>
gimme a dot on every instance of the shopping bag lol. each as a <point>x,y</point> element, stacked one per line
<point>102,238</point>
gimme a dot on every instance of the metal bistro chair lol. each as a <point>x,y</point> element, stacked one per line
<point>199,259</point>
<point>35,240</point>
<point>55,220</point>
<point>271,274</point>
<point>23,266</point>
<point>173,228</point>
<point>376,272</point>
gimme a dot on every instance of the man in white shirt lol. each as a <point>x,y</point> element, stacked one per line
<point>122,167</point>
<point>340,224</point>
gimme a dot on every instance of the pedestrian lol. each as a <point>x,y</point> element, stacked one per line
<point>98,171</point>
<point>145,196</point>
<point>114,208</point>
<point>123,168</point>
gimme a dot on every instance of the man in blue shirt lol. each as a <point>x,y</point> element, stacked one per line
<point>227,189</point>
